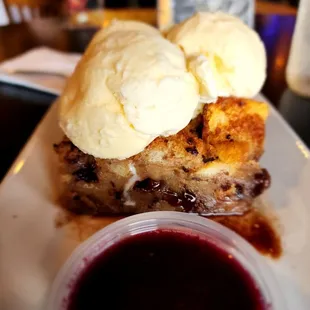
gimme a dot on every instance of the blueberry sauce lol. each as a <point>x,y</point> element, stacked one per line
<point>165,270</point>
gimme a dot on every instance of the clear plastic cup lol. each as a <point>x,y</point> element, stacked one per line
<point>211,231</point>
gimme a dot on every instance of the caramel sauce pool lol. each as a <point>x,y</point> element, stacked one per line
<point>256,226</point>
<point>258,229</point>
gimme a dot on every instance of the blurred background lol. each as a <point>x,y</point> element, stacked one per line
<point>15,11</point>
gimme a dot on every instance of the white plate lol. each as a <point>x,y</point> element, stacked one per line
<point>32,249</point>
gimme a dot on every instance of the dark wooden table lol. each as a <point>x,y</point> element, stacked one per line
<point>21,109</point>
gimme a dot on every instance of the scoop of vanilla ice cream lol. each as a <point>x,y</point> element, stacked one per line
<point>129,88</point>
<point>226,56</point>
<point>122,25</point>
<point>125,25</point>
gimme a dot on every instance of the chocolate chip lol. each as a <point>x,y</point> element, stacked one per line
<point>87,173</point>
<point>228,137</point>
<point>172,198</point>
<point>188,201</point>
<point>76,197</point>
<point>185,198</point>
<point>206,159</point>
<point>185,169</point>
<point>118,195</point>
<point>226,187</point>
<point>147,185</point>
<point>239,190</point>
<point>198,130</point>
<point>240,103</point>
<point>192,150</point>
<point>190,140</point>
<point>262,181</point>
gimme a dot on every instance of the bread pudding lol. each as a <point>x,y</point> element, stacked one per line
<point>210,167</point>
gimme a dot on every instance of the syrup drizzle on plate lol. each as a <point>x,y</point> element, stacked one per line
<point>257,226</point>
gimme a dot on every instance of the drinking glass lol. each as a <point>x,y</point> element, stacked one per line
<point>243,9</point>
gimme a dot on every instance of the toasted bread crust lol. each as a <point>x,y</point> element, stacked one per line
<point>234,129</point>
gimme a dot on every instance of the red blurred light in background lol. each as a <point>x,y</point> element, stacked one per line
<point>76,5</point>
